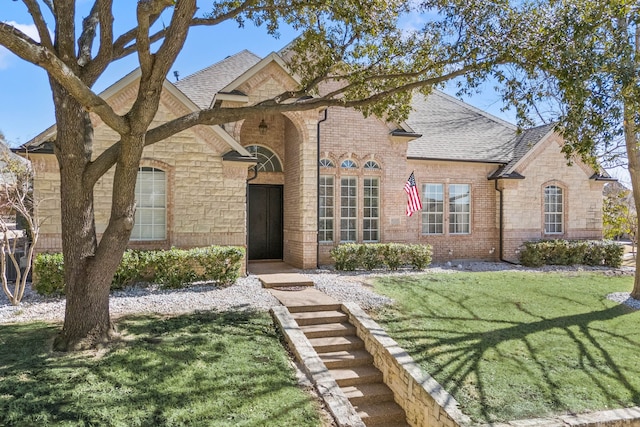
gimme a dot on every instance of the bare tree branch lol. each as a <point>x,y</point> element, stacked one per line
<point>38,20</point>
<point>26,48</point>
<point>65,15</point>
<point>105,53</point>
<point>85,41</point>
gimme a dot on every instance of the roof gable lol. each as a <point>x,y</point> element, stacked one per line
<point>202,85</point>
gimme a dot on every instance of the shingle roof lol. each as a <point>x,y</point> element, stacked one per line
<point>453,130</point>
<point>201,86</point>
<point>521,146</point>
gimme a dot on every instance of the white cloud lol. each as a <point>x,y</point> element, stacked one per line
<point>28,29</point>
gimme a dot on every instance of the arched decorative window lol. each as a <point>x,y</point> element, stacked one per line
<point>348,164</point>
<point>326,163</point>
<point>151,205</point>
<point>553,210</point>
<point>267,159</point>
<point>371,165</point>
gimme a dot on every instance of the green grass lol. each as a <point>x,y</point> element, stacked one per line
<point>519,345</point>
<point>204,369</point>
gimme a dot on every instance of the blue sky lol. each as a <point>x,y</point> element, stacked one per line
<point>26,107</point>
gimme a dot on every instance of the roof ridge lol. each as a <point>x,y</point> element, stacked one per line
<point>215,64</point>
<point>475,109</point>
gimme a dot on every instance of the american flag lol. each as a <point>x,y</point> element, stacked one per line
<point>413,203</point>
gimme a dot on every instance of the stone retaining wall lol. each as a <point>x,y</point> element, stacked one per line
<point>424,401</point>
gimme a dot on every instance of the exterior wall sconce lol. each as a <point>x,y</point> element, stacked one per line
<point>262,127</point>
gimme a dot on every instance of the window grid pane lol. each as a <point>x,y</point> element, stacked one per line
<point>433,209</point>
<point>553,210</point>
<point>151,205</point>
<point>326,197</point>
<point>459,209</point>
<point>370,224</point>
<point>348,209</point>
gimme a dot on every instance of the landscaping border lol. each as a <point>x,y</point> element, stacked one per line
<point>339,406</point>
<point>426,403</point>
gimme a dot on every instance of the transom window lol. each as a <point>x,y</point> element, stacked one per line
<point>326,204</point>
<point>267,159</point>
<point>348,164</point>
<point>553,210</point>
<point>326,163</point>
<point>371,165</point>
<point>348,209</point>
<point>151,205</point>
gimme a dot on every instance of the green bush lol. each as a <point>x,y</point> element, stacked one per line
<point>419,256</point>
<point>368,256</point>
<point>571,252</point>
<point>48,274</point>
<point>345,257</point>
<point>172,268</point>
<point>393,255</point>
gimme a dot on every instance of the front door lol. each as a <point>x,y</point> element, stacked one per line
<point>265,222</point>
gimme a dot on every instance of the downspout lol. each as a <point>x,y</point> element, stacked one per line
<point>324,119</point>
<point>500,222</point>
<point>246,234</point>
<point>501,226</point>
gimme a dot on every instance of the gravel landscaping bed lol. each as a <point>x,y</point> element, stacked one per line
<point>247,293</point>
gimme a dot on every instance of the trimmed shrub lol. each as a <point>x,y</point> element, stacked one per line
<point>368,256</point>
<point>393,255</point>
<point>173,268</point>
<point>48,274</point>
<point>419,256</point>
<point>345,257</point>
<point>565,252</point>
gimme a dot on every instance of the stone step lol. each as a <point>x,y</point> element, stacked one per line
<point>318,317</point>
<point>284,280</point>
<point>328,330</point>
<point>361,394</point>
<point>356,375</point>
<point>346,359</point>
<point>330,344</point>
<point>314,307</point>
<point>378,414</point>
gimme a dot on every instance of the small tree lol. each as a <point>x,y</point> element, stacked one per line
<point>16,197</point>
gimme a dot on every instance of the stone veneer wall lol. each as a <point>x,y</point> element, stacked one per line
<point>524,199</point>
<point>424,401</point>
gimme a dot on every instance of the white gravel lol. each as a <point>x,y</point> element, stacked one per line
<point>247,293</point>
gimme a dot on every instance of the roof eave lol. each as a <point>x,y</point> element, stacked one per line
<point>599,177</point>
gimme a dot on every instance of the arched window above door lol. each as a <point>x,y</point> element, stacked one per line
<point>267,159</point>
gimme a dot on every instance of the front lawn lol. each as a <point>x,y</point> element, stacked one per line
<point>519,345</point>
<point>204,369</point>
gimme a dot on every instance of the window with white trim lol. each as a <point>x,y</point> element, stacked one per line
<point>371,165</point>
<point>433,209</point>
<point>326,163</point>
<point>553,210</point>
<point>267,159</point>
<point>348,209</point>
<point>326,204</point>
<point>459,209</point>
<point>348,164</point>
<point>151,205</point>
<point>371,219</point>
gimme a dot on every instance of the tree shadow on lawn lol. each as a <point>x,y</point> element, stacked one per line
<point>209,368</point>
<point>500,369</point>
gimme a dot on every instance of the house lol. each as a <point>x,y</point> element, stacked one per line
<point>292,186</point>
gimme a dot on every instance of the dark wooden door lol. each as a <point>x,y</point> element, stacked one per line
<point>265,222</point>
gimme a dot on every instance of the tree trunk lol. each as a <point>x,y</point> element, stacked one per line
<point>633,154</point>
<point>89,266</point>
<point>87,279</point>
